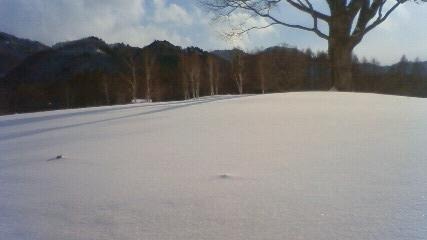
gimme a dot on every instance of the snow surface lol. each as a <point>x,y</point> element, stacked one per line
<point>283,166</point>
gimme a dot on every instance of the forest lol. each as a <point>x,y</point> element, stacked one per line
<point>89,72</point>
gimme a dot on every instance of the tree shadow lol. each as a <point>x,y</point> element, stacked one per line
<point>169,107</point>
<point>99,110</point>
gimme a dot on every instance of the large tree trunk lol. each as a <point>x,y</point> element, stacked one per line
<point>340,53</point>
<point>340,58</point>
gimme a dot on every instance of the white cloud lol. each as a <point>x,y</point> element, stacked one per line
<point>238,22</point>
<point>143,35</point>
<point>402,33</point>
<point>171,13</point>
<point>58,20</point>
<point>138,22</point>
<point>399,16</point>
<point>52,21</point>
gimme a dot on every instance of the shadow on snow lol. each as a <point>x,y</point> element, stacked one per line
<point>168,107</point>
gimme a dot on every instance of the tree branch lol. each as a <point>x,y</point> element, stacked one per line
<point>382,18</point>
<point>308,9</point>
<point>262,9</point>
<point>367,13</point>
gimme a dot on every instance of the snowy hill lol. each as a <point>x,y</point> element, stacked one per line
<point>282,166</point>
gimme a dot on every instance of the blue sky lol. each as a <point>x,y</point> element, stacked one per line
<point>139,22</point>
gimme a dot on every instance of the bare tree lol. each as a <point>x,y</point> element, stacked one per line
<point>261,71</point>
<point>67,96</point>
<point>348,22</point>
<point>185,75</point>
<point>106,89</point>
<point>133,82</point>
<point>195,74</point>
<point>149,63</point>
<point>237,66</point>
<point>218,72</point>
<point>211,73</point>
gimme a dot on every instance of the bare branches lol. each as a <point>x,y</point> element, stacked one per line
<point>263,8</point>
<point>367,20</point>
<point>308,8</point>
<point>364,15</point>
<point>382,18</point>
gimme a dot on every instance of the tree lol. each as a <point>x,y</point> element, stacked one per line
<point>261,71</point>
<point>194,73</point>
<point>348,22</point>
<point>218,70</point>
<point>417,78</point>
<point>237,66</point>
<point>149,63</point>
<point>402,68</point>
<point>106,90</point>
<point>184,61</point>
<point>211,74</point>
<point>133,82</point>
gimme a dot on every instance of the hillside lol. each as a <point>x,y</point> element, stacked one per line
<point>65,60</point>
<point>90,72</point>
<point>14,50</point>
<point>280,166</point>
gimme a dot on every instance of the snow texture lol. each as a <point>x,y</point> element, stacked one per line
<point>283,166</point>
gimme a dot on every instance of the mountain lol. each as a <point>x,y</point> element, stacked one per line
<point>14,50</point>
<point>84,72</point>
<point>410,67</point>
<point>226,54</point>
<point>65,60</point>
<point>163,47</point>
<point>88,72</point>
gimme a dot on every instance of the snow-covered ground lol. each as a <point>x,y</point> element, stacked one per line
<point>283,166</point>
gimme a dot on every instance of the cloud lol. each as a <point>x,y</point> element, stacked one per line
<point>136,22</point>
<point>402,33</point>
<point>230,29</point>
<point>139,22</point>
<point>52,21</point>
<point>143,35</point>
<point>58,20</point>
<point>171,13</point>
<point>400,15</point>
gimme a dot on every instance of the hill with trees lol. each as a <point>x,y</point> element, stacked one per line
<point>90,72</point>
<point>14,50</point>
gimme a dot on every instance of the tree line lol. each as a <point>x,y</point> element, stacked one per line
<point>164,73</point>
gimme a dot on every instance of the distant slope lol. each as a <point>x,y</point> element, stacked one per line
<point>90,72</point>
<point>65,60</point>
<point>281,166</point>
<point>14,50</point>
<point>226,54</point>
<point>410,67</point>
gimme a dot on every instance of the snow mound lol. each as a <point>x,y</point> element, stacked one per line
<point>312,166</point>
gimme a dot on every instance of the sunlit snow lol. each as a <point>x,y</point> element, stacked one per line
<point>282,166</point>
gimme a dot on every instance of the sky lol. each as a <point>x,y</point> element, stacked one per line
<point>185,23</point>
